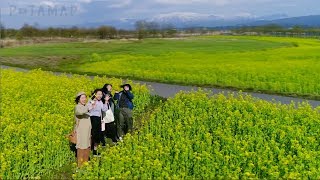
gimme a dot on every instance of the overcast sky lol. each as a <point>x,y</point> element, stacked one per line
<point>14,13</point>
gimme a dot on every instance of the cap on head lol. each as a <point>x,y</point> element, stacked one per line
<point>80,93</point>
<point>130,88</point>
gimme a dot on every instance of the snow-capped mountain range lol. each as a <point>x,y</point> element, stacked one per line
<point>187,19</point>
<point>190,19</point>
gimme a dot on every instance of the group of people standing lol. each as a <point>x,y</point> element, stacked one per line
<point>104,115</point>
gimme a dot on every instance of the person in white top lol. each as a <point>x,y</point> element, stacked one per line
<point>109,120</point>
<point>96,105</point>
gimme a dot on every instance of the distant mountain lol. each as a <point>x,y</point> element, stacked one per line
<point>310,21</point>
<point>120,24</point>
<point>273,17</point>
<point>187,19</point>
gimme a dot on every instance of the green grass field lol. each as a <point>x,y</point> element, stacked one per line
<point>289,66</point>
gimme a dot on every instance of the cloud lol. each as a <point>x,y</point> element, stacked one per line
<point>188,2</point>
<point>49,3</point>
<point>102,10</point>
<point>84,1</point>
<point>120,3</point>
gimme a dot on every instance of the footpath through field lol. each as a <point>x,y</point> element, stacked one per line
<point>169,90</point>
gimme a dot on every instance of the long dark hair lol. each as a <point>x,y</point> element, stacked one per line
<point>93,95</point>
<point>105,88</point>
<point>106,92</point>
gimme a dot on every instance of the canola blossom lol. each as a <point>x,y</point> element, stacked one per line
<point>193,136</point>
<point>190,136</point>
<point>36,114</point>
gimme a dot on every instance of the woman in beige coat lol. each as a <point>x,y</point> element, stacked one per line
<point>82,128</point>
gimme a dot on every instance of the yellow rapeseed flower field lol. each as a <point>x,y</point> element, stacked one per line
<point>36,114</point>
<point>193,136</point>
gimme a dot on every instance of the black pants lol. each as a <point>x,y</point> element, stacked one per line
<point>96,133</point>
<point>111,131</point>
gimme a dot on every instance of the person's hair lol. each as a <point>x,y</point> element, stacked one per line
<point>104,96</point>
<point>108,94</point>
<point>105,87</point>
<point>77,100</point>
<point>95,92</point>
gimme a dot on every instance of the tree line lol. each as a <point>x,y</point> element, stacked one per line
<point>275,28</point>
<point>143,29</point>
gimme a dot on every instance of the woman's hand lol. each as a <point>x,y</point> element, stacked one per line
<point>91,105</point>
<point>107,98</point>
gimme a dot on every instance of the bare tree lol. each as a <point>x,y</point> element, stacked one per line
<point>153,28</point>
<point>105,32</point>
<point>297,29</point>
<point>141,29</point>
<point>2,35</point>
<point>28,31</point>
<point>167,30</point>
<point>2,31</point>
